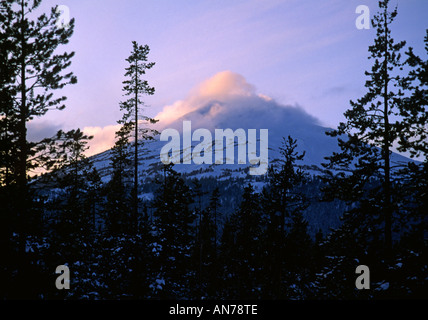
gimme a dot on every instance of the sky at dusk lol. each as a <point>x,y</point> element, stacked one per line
<point>305,53</point>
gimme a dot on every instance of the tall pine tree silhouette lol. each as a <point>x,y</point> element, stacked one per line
<point>135,87</point>
<point>37,72</point>
<point>32,69</point>
<point>281,200</point>
<point>369,124</point>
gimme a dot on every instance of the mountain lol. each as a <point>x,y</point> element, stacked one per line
<point>241,111</point>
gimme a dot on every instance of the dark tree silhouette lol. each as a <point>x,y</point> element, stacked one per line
<point>135,87</point>
<point>37,72</point>
<point>119,203</point>
<point>281,201</point>
<point>175,233</point>
<point>369,123</point>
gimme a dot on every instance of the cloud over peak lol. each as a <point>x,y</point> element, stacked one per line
<point>223,86</point>
<point>225,100</point>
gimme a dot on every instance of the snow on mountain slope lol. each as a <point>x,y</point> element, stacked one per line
<point>246,112</point>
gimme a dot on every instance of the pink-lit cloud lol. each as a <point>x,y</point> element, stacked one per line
<point>224,85</point>
<point>103,138</point>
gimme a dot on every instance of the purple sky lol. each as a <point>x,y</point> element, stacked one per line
<point>308,53</point>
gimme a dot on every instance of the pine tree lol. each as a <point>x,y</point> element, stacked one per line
<point>73,179</point>
<point>119,202</point>
<point>207,253</point>
<point>37,72</point>
<point>197,194</point>
<point>8,124</point>
<point>382,198</point>
<point>128,266</point>
<point>281,201</point>
<point>174,232</point>
<point>369,125</point>
<point>213,209</point>
<point>75,207</point>
<point>229,260</point>
<point>248,248</point>
<point>208,243</point>
<point>7,154</point>
<point>298,254</point>
<point>134,87</point>
<point>412,129</point>
<point>31,70</point>
<point>413,134</point>
<point>94,198</point>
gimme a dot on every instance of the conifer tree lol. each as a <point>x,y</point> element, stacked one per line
<point>8,150</point>
<point>128,268</point>
<point>197,194</point>
<point>135,87</point>
<point>208,242</point>
<point>384,199</point>
<point>8,123</point>
<point>411,128</point>
<point>207,252</point>
<point>37,71</point>
<point>248,251</point>
<point>369,126</point>
<point>174,232</point>
<point>413,138</point>
<point>119,202</point>
<point>298,244</point>
<point>32,68</point>
<point>94,197</point>
<point>73,178</point>
<point>281,200</point>
<point>213,209</point>
<point>229,260</point>
<point>413,133</point>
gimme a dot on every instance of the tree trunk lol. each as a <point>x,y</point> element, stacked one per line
<point>22,129</point>
<point>135,196</point>
<point>386,150</point>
